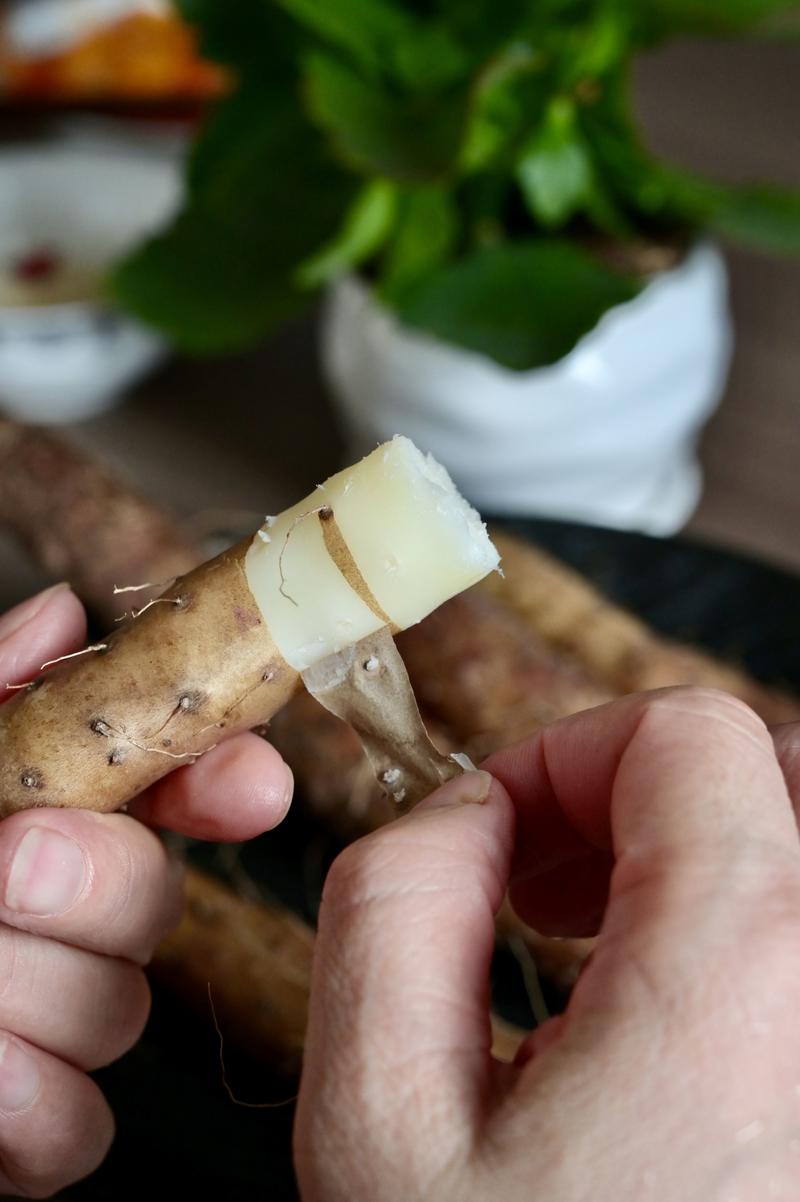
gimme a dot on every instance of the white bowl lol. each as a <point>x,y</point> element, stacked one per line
<point>62,362</point>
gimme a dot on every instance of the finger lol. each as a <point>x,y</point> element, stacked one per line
<point>702,763</point>
<point>102,882</point>
<point>85,1008</point>
<point>50,624</point>
<point>699,948</point>
<point>707,863</point>
<point>787,748</point>
<point>399,1033</point>
<point>55,1125</point>
<point>570,899</point>
<point>233,793</point>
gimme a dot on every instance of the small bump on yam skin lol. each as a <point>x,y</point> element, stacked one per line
<point>165,688</point>
<point>190,702</point>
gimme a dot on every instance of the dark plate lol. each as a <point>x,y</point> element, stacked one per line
<point>178,1132</point>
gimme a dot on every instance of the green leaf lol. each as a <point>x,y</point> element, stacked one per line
<point>263,196</point>
<point>399,136</point>
<point>366,29</point>
<point>765,217</point>
<point>365,228</point>
<point>425,236</point>
<point>200,287</point>
<point>429,57</point>
<point>485,27</point>
<point>670,199</point>
<point>648,195</point>
<point>509,95</point>
<point>555,169</point>
<point>667,199</point>
<point>523,304</point>
<point>661,18</point>
<point>599,46</point>
<point>252,36</point>
<point>384,39</point>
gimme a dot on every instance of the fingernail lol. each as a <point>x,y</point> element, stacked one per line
<point>22,613</point>
<point>469,788</point>
<point>288,792</point>
<point>48,873</point>
<point>19,1077</point>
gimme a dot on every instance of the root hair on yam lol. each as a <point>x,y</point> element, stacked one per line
<point>133,614</point>
<point>101,727</point>
<point>266,676</point>
<point>226,1086</point>
<point>96,648</point>
<point>139,588</point>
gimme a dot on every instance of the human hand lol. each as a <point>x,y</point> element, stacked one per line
<point>84,899</point>
<point>674,1074</point>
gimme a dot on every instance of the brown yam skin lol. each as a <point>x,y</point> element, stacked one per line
<point>328,762</point>
<point>617,648</point>
<point>192,670</point>
<point>256,960</point>
<point>490,679</point>
<point>84,523</point>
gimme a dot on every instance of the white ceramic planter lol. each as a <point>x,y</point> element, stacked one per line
<point>607,435</point>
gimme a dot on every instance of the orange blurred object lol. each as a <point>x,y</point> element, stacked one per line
<point>143,56</point>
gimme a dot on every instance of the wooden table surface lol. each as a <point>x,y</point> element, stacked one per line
<point>251,433</point>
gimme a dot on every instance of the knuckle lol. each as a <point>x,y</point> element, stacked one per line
<point>143,857</point>
<point>141,894</point>
<point>9,964</point>
<point>359,872</point>
<point>129,1008</point>
<point>403,862</point>
<point>116,886</point>
<point>70,1145</point>
<point>706,705</point>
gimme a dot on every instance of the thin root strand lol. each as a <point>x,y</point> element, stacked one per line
<point>266,677</point>
<point>228,1090</point>
<point>133,614</point>
<point>138,588</point>
<point>101,727</point>
<point>48,664</point>
<point>325,514</point>
<point>530,977</point>
<point>92,648</point>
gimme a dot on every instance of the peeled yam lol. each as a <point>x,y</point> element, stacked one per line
<point>381,544</point>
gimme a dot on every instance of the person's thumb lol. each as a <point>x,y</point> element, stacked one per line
<point>704,895</point>
<point>399,1032</point>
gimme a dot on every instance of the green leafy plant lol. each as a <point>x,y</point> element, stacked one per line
<point>476,160</point>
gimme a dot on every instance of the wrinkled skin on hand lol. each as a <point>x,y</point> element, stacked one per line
<point>666,821</point>
<point>84,899</point>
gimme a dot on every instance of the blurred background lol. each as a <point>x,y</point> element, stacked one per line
<point>555,242</point>
<point>101,100</point>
